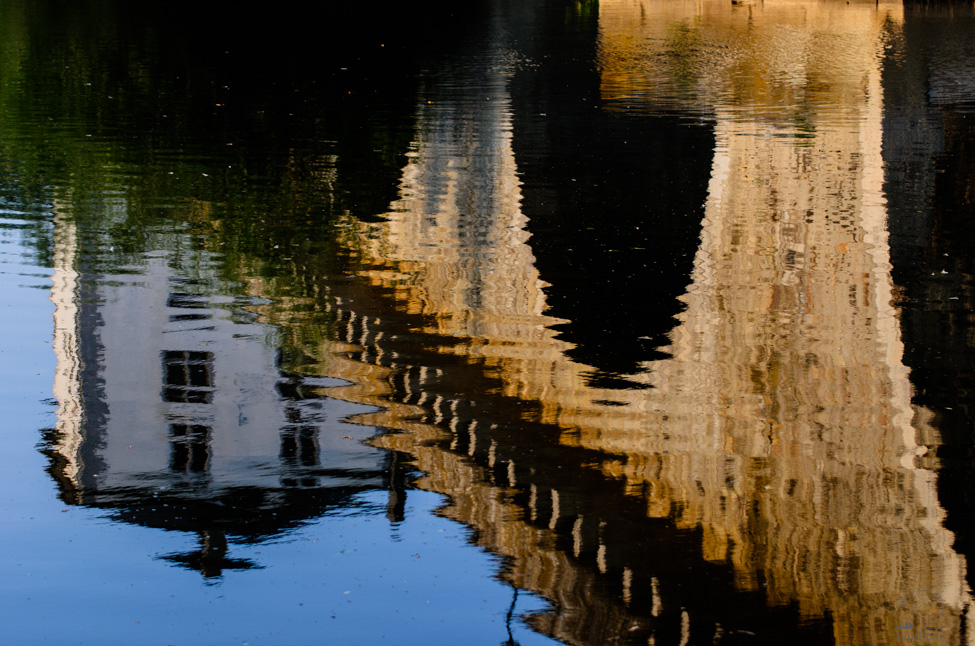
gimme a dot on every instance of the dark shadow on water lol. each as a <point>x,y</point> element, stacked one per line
<point>929,148</point>
<point>614,201</point>
<point>210,560</point>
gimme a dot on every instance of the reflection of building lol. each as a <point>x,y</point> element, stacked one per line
<point>173,413</point>
<point>790,325</point>
<point>781,427</point>
<point>774,476</point>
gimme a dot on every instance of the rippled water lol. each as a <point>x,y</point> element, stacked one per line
<point>635,321</point>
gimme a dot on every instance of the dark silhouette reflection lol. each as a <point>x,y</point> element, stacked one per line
<point>566,530</point>
<point>930,171</point>
<point>399,469</point>
<point>210,559</point>
<point>614,200</point>
<point>507,620</point>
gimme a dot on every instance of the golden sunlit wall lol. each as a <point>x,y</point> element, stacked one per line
<point>781,423</point>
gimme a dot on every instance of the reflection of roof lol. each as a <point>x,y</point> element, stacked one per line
<point>248,513</point>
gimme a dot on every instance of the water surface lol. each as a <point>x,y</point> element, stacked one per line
<point>632,322</point>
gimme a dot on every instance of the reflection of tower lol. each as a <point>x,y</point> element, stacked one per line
<point>791,328</point>
<point>790,324</point>
<point>457,222</point>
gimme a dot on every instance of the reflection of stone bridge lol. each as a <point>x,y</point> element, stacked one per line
<point>779,436</point>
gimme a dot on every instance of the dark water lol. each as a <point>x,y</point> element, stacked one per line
<point>639,321</point>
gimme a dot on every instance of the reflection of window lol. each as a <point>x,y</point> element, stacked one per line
<point>176,318</point>
<point>186,301</point>
<point>180,300</point>
<point>187,376</point>
<point>189,450</point>
<point>299,445</point>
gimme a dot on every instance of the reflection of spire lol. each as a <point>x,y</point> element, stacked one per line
<point>790,323</point>
<point>457,224</point>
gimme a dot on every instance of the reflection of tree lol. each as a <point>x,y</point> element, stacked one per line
<point>130,125</point>
<point>682,48</point>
